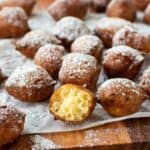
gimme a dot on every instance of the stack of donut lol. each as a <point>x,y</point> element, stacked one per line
<point>73,55</point>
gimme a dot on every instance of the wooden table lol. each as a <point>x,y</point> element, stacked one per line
<point>125,135</point>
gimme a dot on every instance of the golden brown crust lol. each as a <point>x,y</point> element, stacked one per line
<point>62,8</point>
<point>133,38</point>
<point>121,9</point>
<point>27,5</point>
<point>73,96</point>
<point>80,69</point>
<point>147,14</point>
<point>122,61</point>
<point>88,44</point>
<point>11,124</point>
<point>140,4</point>
<point>13,22</point>
<point>107,27</point>
<point>30,83</point>
<point>33,40</point>
<point>120,96</point>
<point>50,58</point>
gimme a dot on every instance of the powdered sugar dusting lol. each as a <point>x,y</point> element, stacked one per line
<point>115,23</point>
<point>122,85</point>
<point>78,66</point>
<point>26,76</point>
<point>87,44</point>
<point>10,59</point>
<point>38,37</point>
<point>70,28</point>
<point>14,15</point>
<point>41,143</point>
<point>125,51</point>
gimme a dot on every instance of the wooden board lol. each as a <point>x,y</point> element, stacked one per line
<point>126,135</point>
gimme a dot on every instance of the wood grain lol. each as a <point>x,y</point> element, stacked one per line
<point>126,135</point>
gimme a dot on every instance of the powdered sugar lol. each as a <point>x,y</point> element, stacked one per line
<point>38,37</point>
<point>41,143</point>
<point>132,37</point>
<point>50,57</point>
<point>26,76</point>
<point>11,117</point>
<point>10,59</point>
<point>115,23</point>
<point>121,85</point>
<point>78,66</point>
<point>126,51</point>
<point>14,15</point>
<point>87,44</point>
<point>70,28</point>
<point>50,51</point>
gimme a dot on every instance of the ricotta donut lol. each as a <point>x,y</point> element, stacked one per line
<point>30,83</point>
<point>120,96</point>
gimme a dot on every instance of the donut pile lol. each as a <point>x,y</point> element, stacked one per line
<point>74,56</point>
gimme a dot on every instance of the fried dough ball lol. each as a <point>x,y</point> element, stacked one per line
<point>11,124</point>
<point>147,14</point>
<point>27,5</point>
<point>69,29</point>
<point>122,61</point>
<point>13,22</point>
<point>88,44</point>
<point>107,27</point>
<point>140,4</point>
<point>121,9</point>
<point>120,96</point>
<point>72,103</point>
<point>80,69</point>
<point>133,38</point>
<point>62,8</point>
<point>33,40</point>
<point>30,83</point>
<point>50,58</point>
<point>145,81</point>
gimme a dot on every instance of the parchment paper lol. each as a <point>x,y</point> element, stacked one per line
<point>38,119</point>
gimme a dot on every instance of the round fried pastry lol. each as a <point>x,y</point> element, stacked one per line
<point>30,83</point>
<point>72,103</point>
<point>11,124</point>
<point>121,9</point>
<point>120,96</point>
<point>62,8</point>
<point>50,58</point>
<point>13,22</point>
<point>80,69</point>
<point>88,44</point>
<point>122,61</point>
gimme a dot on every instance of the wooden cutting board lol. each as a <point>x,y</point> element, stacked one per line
<point>126,135</point>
